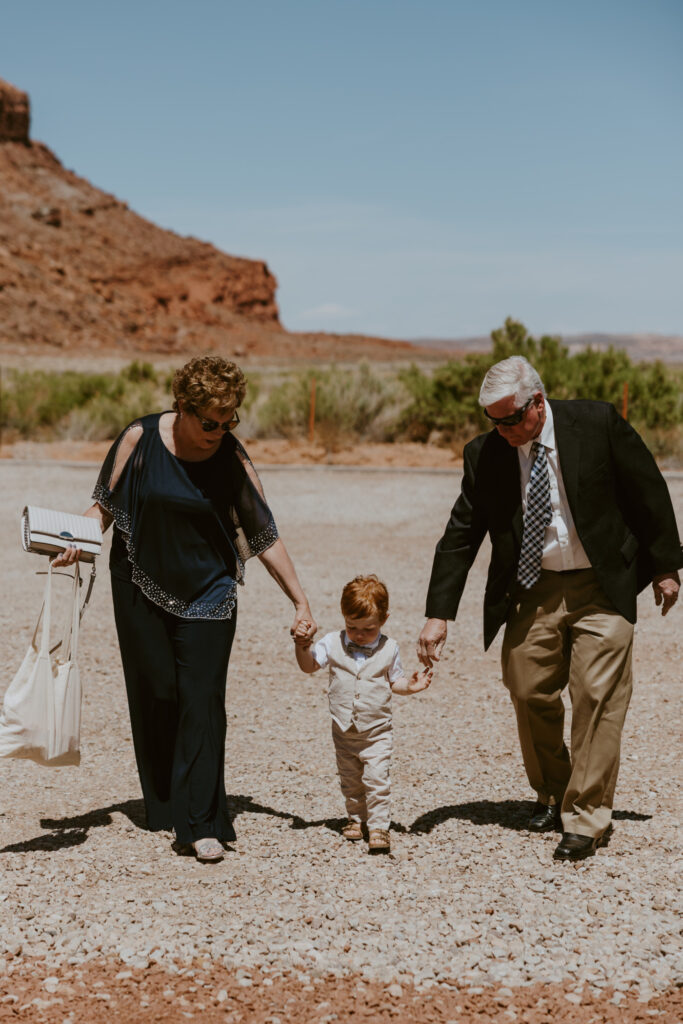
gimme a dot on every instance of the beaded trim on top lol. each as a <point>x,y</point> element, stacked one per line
<point>184,609</point>
<point>263,540</point>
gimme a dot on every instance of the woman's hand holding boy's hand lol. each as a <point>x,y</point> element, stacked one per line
<point>303,633</point>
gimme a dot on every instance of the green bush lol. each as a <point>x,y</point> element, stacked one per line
<point>446,400</point>
<point>38,399</point>
<point>92,406</point>
<point>105,415</point>
<point>360,403</point>
<point>443,401</point>
<point>137,372</point>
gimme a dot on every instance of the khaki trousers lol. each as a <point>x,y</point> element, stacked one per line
<point>564,632</point>
<point>364,762</point>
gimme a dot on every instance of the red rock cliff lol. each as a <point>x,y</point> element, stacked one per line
<point>81,273</point>
<point>78,269</point>
<point>15,114</point>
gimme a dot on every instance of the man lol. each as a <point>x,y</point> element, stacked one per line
<point>580,520</point>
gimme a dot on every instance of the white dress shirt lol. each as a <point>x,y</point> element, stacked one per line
<point>562,548</point>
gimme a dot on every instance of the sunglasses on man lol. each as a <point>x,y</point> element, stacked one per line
<point>513,419</point>
<point>210,425</point>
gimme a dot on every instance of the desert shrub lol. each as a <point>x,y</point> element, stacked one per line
<point>443,401</point>
<point>137,372</point>
<point>348,404</point>
<point>92,406</point>
<point>360,403</point>
<point>33,400</point>
<point>106,415</point>
<point>656,397</point>
<point>253,392</point>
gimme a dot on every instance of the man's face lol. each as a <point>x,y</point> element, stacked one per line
<point>529,426</point>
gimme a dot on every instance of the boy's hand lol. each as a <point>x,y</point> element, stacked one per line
<point>300,635</point>
<point>419,681</point>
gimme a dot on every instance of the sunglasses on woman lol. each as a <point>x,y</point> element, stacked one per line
<point>210,425</point>
<point>513,419</point>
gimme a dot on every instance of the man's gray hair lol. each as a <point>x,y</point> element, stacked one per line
<point>514,377</point>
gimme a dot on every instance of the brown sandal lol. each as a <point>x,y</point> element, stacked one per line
<point>379,841</point>
<point>353,831</point>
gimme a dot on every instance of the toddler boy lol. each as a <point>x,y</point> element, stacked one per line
<point>364,670</point>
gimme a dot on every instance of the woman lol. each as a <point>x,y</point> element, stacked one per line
<point>188,511</point>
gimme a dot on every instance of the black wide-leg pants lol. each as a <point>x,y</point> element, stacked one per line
<point>175,671</point>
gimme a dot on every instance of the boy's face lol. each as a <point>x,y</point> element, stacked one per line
<point>364,631</point>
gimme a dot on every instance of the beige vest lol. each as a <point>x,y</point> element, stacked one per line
<point>360,693</point>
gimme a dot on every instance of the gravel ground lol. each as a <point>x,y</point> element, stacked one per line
<point>468,897</point>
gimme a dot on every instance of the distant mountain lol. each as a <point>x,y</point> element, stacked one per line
<point>667,347</point>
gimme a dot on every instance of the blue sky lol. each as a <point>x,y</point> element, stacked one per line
<point>408,169</point>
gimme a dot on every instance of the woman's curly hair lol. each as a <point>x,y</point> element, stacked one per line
<point>209,382</point>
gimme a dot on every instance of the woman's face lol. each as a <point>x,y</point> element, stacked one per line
<point>205,427</point>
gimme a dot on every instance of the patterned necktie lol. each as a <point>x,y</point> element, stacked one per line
<point>538,516</point>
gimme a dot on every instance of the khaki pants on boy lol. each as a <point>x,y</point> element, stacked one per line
<point>564,632</point>
<point>363,762</point>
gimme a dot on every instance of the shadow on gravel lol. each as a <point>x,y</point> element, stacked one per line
<point>512,814</point>
<point>630,816</point>
<point>68,832</point>
<point>245,805</point>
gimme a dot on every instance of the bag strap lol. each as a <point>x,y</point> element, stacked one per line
<point>44,614</point>
<point>76,614</point>
<point>69,641</point>
<point>91,584</point>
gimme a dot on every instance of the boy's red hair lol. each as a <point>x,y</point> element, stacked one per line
<point>363,596</point>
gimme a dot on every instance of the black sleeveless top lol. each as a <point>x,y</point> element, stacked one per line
<point>183,530</point>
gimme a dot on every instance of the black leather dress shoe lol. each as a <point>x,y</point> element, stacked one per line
<point>545,818</point>
<point>572,846</point>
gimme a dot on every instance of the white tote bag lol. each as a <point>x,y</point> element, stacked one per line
<point>41,716</point>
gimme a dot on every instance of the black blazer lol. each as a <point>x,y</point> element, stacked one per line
<point>618,498</point>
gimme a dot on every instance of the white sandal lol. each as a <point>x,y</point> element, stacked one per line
<point>209,849</point>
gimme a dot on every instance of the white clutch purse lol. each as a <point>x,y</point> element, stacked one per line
<point>47,532</point>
